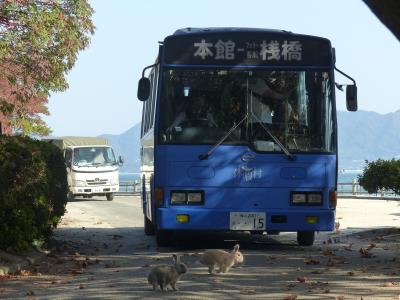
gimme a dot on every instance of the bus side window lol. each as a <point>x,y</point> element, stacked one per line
<point>153,97</point>
<point>147,110</point>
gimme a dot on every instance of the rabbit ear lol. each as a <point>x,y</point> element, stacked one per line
<point>236,248</point>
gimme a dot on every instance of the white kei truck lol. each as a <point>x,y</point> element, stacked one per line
<point>92,167</point>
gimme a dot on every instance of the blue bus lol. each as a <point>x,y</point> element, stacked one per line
<point>239,133</point>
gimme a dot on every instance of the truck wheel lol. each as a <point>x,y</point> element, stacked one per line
<point>70,196</point>
<point>164,238</point>
<point>149,228</point>
<point>110,197</point>
<point>305,238</point>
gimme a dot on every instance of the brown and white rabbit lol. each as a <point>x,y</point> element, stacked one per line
<point>165,275</point>
<point>224,260</point>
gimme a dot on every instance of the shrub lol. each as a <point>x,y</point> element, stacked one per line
<point>381,174</point>
<point>33,190</point>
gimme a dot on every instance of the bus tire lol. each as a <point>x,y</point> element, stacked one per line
<point>148,227</point>
<point>110,196</point>
<point>305,238</point>
<point>164,238</point>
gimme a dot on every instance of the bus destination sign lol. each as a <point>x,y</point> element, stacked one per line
<point>214,50</point>
<point>271,50</point>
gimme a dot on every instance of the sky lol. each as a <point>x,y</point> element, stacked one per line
<point>101,98</point>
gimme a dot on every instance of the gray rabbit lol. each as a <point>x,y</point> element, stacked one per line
<point>224,260</point>
<point>164,275</point>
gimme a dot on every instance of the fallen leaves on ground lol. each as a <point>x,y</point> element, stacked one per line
<point>247,291</point>
<point>311,261</point>
<point>349,247</point>
<point>328,252</point>
<point>301,279</point>
<point>55,281</point>
<point>25,273</point>
<point>365,253</point>
<point>272,257</point>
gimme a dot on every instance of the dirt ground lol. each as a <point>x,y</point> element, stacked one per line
<point>100,252</point>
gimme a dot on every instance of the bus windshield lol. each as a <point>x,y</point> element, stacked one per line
<point>201,106</point>
<point>93,156</point>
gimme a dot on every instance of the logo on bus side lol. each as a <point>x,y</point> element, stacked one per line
<point>267,50</point>
<point>245,172</point>
<point>247,157</point>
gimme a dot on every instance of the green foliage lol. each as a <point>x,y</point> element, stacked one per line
<point>33,190</point>
<point>381,174</point>
<point>39,43</point>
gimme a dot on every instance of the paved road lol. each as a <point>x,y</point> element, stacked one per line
<point>102,253</point>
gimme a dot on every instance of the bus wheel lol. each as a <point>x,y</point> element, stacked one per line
<point>305,238</point>
<point>164,238</point>
<point>110,196</point>
<point>148,227</point>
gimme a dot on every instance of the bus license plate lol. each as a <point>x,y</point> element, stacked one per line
<point>247,221</point>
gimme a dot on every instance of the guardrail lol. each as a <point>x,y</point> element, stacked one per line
<point>354,190</point>
<point>129,187</point>
<point>344,189</point>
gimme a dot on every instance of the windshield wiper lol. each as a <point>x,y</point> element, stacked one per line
<point>276,140</point>
<point>206,155</point>
<point>289,155</point>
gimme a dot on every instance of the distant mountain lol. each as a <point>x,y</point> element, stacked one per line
<point>363,135</point>
<point>127,144</point>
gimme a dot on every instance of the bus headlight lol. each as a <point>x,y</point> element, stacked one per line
<point>187,197</point>
<point>195,198</point>
<point>79,183</point>
<point>306,198</point>
<point>178,198</point>
<point>299,198</point>
<point>314,199</point>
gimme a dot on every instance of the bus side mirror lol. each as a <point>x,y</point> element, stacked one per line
<point>143,91</point>
<point>351,97</point>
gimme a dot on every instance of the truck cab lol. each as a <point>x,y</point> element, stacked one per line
<point>92,167</point>
<point>92,171</point>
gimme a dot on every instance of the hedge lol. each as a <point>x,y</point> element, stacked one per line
<point>33,191</point>
<point>381,175</point>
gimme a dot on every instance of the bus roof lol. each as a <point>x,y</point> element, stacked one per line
<point>191,30</point>
<point>223,30</point>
